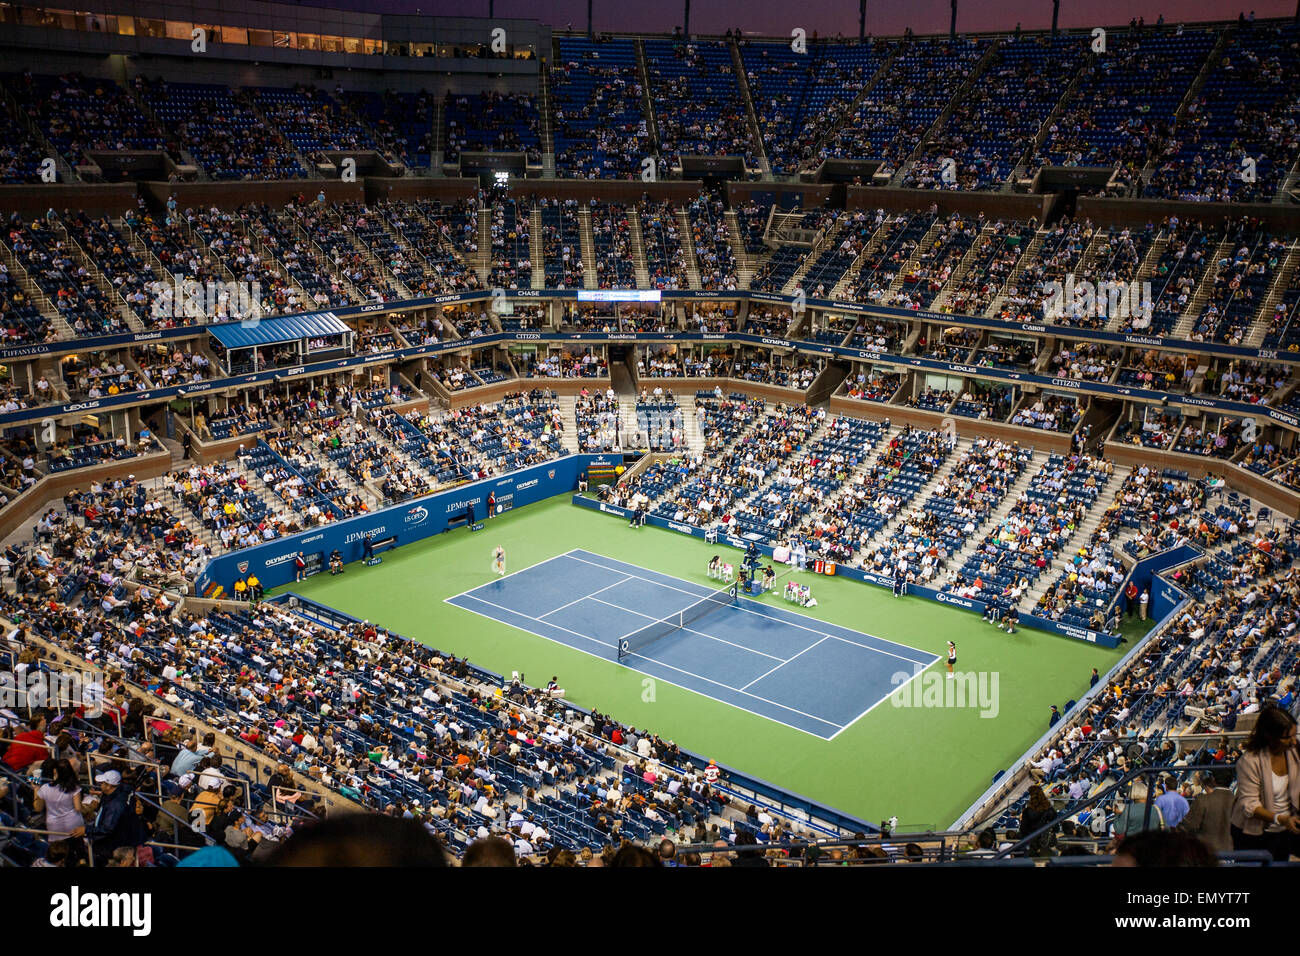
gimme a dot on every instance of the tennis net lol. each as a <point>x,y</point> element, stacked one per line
<point>639,639</point>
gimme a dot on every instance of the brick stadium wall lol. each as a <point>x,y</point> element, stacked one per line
<point>1279,217</point>
<point>994,205</point>
<point>1057,442</point>
<point>811,195</point>
<point>228,195</point>
<point>32,201</point>
<point>412,188</point>
<point>498,390</point>
<point>1242,479</point>
<point>58,484</point>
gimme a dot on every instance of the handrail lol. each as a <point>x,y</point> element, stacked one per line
<point>309,606</point>
<point>1074,807</point>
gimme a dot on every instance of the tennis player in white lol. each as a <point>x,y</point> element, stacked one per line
<point>499,560</point>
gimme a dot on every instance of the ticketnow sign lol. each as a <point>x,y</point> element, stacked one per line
<point>856,574</point>
<point>410,521</point>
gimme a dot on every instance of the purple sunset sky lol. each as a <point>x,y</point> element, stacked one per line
<point>779,17</point>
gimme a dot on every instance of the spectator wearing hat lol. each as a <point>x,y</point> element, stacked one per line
<point>116,822</point>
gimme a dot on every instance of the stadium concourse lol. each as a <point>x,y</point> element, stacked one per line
<point>967,362</point>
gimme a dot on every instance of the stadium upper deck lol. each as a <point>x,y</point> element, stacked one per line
<point>1205,113</point>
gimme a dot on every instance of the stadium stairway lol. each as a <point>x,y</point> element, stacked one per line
<point>1008,502</point>
<point>1080,539</point>
<point>744,259</point>
<point>866,464</point>
<point>890,527</point>
<point>587,242</point>
<point>691,429</point>
<point>34,293</point>
<point>191,521</point>
<point>569,437</point>
<point>688,248</point>
<point>1186,321</point>
<point>1282,277</point>
<point>751,114</point>
<point>968,259</point>
<point>639,265</point>
<point>959,95</point>
<point>537,246</point>
<point>1145,271</point>
<point>482,260</point>
<point>1027,258</point>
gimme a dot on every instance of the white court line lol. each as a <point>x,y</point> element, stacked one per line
<point>585,596</point>
<point>630,576</point>
<point>558,627</point>
<point>513,573</point>
<point>688,630</point>
<point>915,674</point>
<point>750,610</point>
<point>782,664</point>
<point>605,658</point>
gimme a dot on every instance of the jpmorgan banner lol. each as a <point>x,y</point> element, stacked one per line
<point>409,521</point>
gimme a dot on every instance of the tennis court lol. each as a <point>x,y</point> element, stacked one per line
<point>779,664</point>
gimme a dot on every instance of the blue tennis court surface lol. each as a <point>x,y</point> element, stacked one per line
<point>805,673</point>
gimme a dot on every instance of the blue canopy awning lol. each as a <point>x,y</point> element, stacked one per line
<point>290,328</point>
